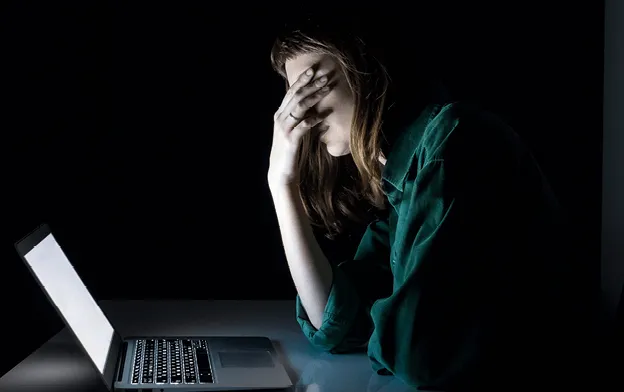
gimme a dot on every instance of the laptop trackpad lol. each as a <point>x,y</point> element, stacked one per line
<point>246,359</point>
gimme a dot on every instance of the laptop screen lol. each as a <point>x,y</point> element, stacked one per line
<point>65,288</point>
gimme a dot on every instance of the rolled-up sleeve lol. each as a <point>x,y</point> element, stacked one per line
<point>346,324</point>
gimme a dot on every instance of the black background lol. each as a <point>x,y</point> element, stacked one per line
<point>142,133</point>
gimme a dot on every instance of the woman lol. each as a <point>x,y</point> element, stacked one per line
<point>454,285</point>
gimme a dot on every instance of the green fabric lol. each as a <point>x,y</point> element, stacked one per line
<point>432,291</point>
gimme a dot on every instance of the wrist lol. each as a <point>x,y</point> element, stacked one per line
<point>284,193</point>
<point>282,188</point>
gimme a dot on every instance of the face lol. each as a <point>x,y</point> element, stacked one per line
<point>337,106</point>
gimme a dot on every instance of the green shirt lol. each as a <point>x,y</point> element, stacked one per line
<point>446,290</point>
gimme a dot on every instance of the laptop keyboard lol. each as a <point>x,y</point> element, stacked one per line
<point>171,361</point>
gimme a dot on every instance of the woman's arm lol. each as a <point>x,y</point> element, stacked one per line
<point>309,268</point>
<point>333,302</point>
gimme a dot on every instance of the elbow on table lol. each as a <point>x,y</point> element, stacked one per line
<point>335,342</point>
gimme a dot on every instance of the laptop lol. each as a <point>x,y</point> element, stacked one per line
<point>155,364</point>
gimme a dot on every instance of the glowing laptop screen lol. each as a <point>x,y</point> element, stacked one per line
<point>71,297</point>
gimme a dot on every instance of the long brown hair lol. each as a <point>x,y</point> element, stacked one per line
<point>339,191</point>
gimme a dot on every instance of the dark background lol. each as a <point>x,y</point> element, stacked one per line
<point>141,134</point>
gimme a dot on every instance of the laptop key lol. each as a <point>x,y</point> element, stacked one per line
<point>203,365</point>
<point>205,377</point>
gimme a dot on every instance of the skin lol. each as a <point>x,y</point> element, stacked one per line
<point>336,108</point>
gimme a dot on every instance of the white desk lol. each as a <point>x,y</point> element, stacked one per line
<point>59,365</point>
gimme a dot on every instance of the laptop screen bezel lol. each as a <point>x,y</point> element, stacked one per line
<point>27,244</point>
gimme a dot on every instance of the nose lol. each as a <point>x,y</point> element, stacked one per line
<point>322,111</point>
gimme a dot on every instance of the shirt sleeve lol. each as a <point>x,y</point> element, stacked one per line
<point>347,325</point>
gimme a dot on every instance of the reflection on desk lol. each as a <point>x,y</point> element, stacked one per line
<point>59,365</point>
<point>326,374</point>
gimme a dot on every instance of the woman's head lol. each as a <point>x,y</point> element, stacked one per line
<point>339,169</point>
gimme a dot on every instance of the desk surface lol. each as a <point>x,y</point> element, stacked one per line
<point>60,365</point>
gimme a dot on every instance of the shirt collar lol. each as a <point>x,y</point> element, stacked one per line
<point>405,121</point>
<point>404,146</point>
